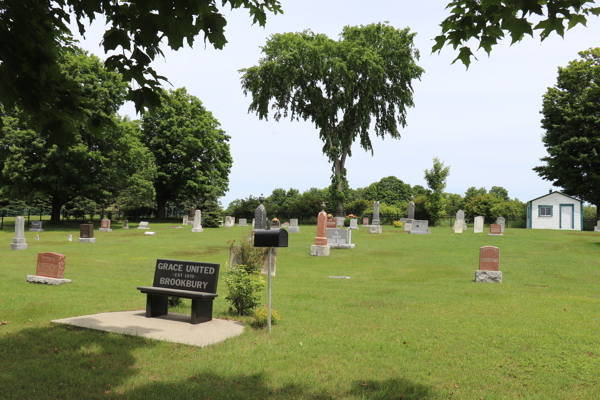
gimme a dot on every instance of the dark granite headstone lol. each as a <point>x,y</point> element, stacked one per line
<point>86,231</point>
<point>186,275</point>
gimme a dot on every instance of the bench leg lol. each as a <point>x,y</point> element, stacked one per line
<point>156,305</point>
<point>201,311</point>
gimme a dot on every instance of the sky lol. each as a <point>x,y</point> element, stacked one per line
<point>484,122</point>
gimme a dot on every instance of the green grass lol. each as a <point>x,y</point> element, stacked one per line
<point>410,324</point>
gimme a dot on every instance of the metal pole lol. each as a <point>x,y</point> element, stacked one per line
<point>270,260</point>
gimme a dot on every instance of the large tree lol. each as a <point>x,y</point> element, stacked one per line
<point>389,190</point>
<point>192,154</point>
<point>487,21</point>
<point>33,33</point>
<point>96,166</point>
<point>571,119</point>
<point>341,86</point>
<point>436,180</point>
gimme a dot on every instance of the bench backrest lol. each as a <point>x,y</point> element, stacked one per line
<point>186,275</point>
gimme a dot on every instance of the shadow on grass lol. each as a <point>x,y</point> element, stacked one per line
<point>207,385</point>
<point>60,362</point>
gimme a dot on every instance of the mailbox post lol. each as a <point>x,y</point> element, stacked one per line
<point>270,239</point>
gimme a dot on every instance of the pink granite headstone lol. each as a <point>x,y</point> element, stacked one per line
<point>321,239</point>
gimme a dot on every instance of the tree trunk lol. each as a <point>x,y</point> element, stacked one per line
<point>339,167</point>
<point>161,203</point>
<point>56,206</point>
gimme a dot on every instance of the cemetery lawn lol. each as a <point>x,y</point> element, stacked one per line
<point>410,324</point>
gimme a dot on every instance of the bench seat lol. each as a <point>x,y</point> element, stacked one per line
<point>157,302</point>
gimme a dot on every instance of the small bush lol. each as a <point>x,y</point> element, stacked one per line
<point>252,258</point>
<point>261,316</point>
<point>347,221</point>
<point>398,224</point>
<point>174,301</point>
<point>243,287</point>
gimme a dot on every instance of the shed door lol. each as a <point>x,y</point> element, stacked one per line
<point>566,216</point>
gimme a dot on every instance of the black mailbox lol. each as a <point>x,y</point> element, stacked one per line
<point>268,238</point>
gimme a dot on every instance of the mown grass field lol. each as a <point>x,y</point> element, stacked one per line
<point>410,324</point>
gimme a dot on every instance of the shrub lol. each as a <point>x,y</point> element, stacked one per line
<point>261,317</point>
<point>347,221</point>
<point>252,258</point>
<point>243,288</point>
<point>398,224</point>
<point>109,214</point>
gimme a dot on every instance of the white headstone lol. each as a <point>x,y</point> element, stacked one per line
<point>375,220</point>
<point>294,228</point>
<point>143,225</point>
<point>19,242</point>
<point>339,221</point>
<point>353,223</point>
<point>229,222</point>
<point>70,237</point>
<point>197,222</point>
<point>185,220</point>
<point>419,227</point>
<point>478,225</point>
<point>243,222</point>
<point>500,221</point>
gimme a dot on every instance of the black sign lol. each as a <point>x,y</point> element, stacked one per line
<point>186,275</point>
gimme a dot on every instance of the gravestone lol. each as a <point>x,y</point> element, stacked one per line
<point>70,238</point>
<point>105,225</point>
<point>143,225</point>
<point>125,224</point>
<point>375,227</point>
<point>411,210</point>
<point>286,225</point>
<point>86,233</point>
<point>501,221</point>
<point>331,222</point>
<point>294,228</point>
<point>320,248</point>
<point>495,230</point>
<point>353,223</point>
<point>419,227</point>
<point>185,220</point>
<point>197,227</point>
<point>37,237</point>
<point>265,268</point>
<point>36,226</point>
<point>375,213</point>
<point>597,227</point>
<point>478,228</point>
<point>19,242</point>
<point>408,224</point>
<point>253,222</point>
<point>50,269</point>
<point>458,226</point>
<point>366,221</point>
<point>339,221</point>
<point>229,222</point>
<point>340,238</point>
<point>489,265</point>
<point>243,222</point>
<point>275,225</point>
<point>260,215</point>
<point>149,233</point>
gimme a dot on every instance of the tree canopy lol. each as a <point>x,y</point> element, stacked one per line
<point>341,86</point>
<point>33,33</point>
<point>96,166</point>
<point>571,111</point>
<point>436,180</point>
<point>191,151</point>
<point>487,21</point>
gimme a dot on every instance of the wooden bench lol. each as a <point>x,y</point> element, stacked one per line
<point>183,279</point>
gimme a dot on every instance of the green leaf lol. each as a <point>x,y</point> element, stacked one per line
<point>595,11</point>
<point>465,55</point>
<point>114,38</point>
<point>439,43</point>
<point>518,27</point>
<point>577,19</point>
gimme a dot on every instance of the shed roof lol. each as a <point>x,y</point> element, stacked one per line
<point>548,194</point>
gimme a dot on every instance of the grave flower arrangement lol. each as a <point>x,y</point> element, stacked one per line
<point>351,216</point>
<point>275,219</point>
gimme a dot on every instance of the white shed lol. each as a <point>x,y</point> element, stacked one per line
<point>555,210</point>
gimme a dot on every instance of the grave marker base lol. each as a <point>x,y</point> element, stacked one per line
<point>87,240</point>
<point>488,276</point>
<point>375,229</point>
<point>197,230</point>
<point>319,250</point>
<point>19,246</point>
<point>495,234</point>
<point>420,233</point>
<point>105,229</point>
<point>294,229</point>
<point>47,281</point>
<point>341,246</point>
<point>35,230</point>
